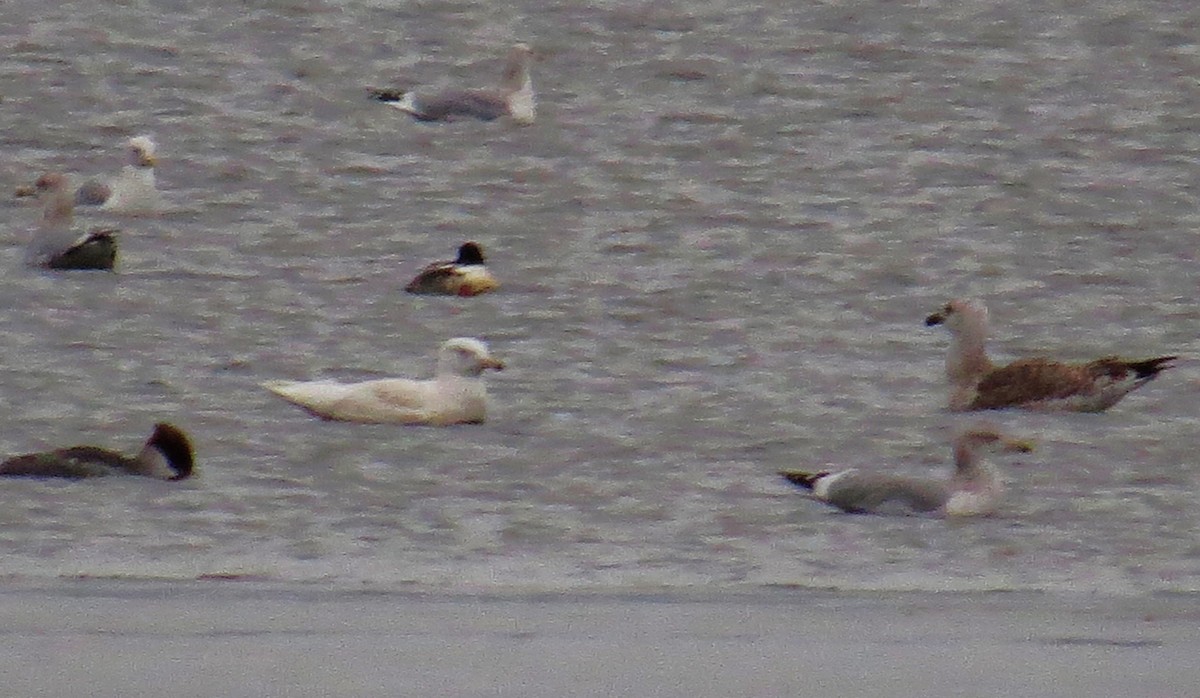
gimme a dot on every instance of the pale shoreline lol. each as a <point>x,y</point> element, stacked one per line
<point>232,638</point>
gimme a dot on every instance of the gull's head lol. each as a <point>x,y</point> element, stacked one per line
<point>50,182</point>
<point>520,53</point>
<point>522,103</point>
<point>958,314</point>
<point>142,152</point>
<point>991,439</point>
<point>466,356</point>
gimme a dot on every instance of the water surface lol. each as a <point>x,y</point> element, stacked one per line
<point>717,246</point>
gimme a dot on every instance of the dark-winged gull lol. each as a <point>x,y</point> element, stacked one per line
<point>514,98</point>
<point>1034,383</point>
<point>973,489</point>
<point>456,394</point>
<point>166,455</point>
<point>55,244</point>
<point>466,275</point>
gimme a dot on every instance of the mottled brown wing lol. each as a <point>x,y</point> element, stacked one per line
<point>1030,380</point>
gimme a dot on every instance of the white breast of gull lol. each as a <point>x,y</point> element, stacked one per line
<point>1035,383</point>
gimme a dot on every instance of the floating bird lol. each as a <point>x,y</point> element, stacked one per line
<point>466,275</point>
<point>974,488</point>
<point>514,98</point>
<point>457,393</point>
<point>55,245</point>
<point>167,455</point>
<point>1035,383</point>
<point>133,190</point>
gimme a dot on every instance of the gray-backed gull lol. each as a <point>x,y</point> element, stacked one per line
<point>973,489</point>
<point>514,98</point>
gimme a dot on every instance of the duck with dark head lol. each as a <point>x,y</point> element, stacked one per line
<point>166,455</point>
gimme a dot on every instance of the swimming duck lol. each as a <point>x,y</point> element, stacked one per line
<point>457,393</point>
<point>515,97</point>
<point>55,244</point>
<point>166,455</point>
<point>466,275</point>
<point>973,489</point>
<point>1035,383</point>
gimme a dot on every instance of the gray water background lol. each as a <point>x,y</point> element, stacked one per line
<point>717,246</point>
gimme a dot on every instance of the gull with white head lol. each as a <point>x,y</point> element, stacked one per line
<point>1034,383</point>
<point>973,489</point>
<point>456,394</point>
<point>514,98</point>
<point>133,189</point>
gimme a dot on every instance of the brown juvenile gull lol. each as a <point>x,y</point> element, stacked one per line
<point>166,455</point>
<point>133,190</point>
<point>455,395</point>
<point>972,490</point>
<point>55,245</point>
<point>466,275</point>
<point>514,98</point>
<point>1035,383</point>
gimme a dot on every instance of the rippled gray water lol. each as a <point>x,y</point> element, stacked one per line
<point>717,246</point>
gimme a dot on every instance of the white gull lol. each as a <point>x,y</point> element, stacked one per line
<point>133,189</point>
<point>456,394</point>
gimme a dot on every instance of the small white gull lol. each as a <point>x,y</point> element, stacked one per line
<point>514,98</point>
<point>973,489</point>
<point>55,244</point>
<point>133,189</point>
<point>1034,383</point>
<point>457,393</point>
